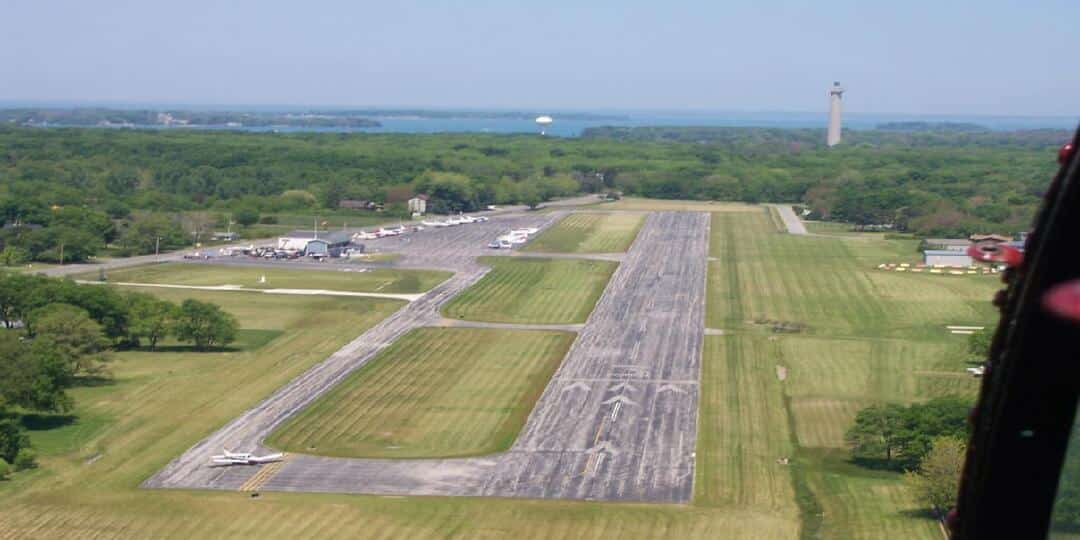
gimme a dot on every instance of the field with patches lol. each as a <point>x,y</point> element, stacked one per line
<point>533,290</point>
<point>865,336</point>
<point>379,280</point>
<point>436,392</point>
<point>589,233</point>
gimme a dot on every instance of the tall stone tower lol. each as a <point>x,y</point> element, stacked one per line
<point>835,93</point>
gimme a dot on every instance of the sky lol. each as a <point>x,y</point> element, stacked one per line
<point>999,57</point>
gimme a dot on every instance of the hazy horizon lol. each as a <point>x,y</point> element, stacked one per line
<point>920,58</point>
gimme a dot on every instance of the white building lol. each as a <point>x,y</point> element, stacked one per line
<point>418,204</point>
<point>946,257</point>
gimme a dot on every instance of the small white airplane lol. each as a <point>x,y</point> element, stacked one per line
<point>427,223</point>
<point>524,232</point>
<point>244,458</point>
<point>466,219</point>
<point>365,235</point>
<point>453,221</point>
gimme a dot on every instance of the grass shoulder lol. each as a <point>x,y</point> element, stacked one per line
<point>533,290</point>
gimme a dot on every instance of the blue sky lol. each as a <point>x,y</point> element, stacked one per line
<point>913,56</point>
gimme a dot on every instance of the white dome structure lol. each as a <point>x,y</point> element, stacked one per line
<point>543,122</point>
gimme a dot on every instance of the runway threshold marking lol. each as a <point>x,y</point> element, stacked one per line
<point>264,474</point>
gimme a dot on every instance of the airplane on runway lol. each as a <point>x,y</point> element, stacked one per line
<point>244,458</point>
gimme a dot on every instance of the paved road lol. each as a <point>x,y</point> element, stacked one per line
<point>616,422</point>
<point>791,221</point>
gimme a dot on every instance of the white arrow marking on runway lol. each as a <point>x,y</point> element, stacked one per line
<point>671,387</point>
<point>620,399</point>
<point>623,386</point>
<point>579,385</point>
<point>605,446</point>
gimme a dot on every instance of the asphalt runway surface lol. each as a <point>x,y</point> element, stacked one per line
<point>791,221</point>
<point>617,421</point>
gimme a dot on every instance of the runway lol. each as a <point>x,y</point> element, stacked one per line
<point>617,421</point>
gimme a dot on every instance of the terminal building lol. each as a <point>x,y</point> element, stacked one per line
<point>315,243</point>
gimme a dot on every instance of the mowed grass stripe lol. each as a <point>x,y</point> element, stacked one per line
<point>589,233</point>
<point>533,290</point>
<point>743,431</point>
<point>870,336</point>
<point>280,277</point>
<point>436,392</point>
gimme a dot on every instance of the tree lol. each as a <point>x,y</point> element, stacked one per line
<point>529,194</point>
<point>875,432</point>
<point>13,255</point>
<point>204,324</point>
<point>901,436</point>
<point>151,318</point>
<point>69,331</point>
<point>979,345</point>
<point>32,376</point>
<point>937,479</point>
<point>12,439</point>
<point>246,216</point>
<point>25,459</point>
<point>154,232</point>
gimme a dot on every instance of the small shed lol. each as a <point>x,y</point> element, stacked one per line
<point>418,204</point>
<point>945,257</point>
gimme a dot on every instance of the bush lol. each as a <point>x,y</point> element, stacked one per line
<point>25,459</point>
<point>268,220</point>
<point>5,469</point>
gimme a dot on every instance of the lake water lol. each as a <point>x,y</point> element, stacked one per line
<point>574,127</point>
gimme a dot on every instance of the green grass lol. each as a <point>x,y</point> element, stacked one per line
<point>379,280</point>
<point>436,392</point>
<point>533,290</point>
<point>869,336</point>
<point>589,233</point>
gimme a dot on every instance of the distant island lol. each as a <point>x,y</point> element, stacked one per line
<point>87,117</point>
<point>954,127</point>
<point>158,118</point>
<point>475,115</point>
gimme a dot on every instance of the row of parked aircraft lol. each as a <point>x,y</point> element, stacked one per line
<point>385,232</point>
<point>455,220</point>
<point>512,238</point>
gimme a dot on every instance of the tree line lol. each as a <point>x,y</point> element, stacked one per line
<point>934,183</point>
<point>57,334</point>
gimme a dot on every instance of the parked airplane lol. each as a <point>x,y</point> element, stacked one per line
<point>365,235</point>
<point>244,458</point>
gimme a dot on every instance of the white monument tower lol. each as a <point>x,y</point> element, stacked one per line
<point>835,93</point>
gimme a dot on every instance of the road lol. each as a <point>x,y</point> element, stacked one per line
<point>791,221</point>
<point>617,421</point>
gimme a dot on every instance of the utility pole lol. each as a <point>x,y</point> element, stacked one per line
<point>157,245</point>
<point>61,253</point>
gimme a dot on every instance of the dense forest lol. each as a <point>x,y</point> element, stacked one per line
<point>92,187</point>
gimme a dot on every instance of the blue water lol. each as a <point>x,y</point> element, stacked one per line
<point>574,127</point>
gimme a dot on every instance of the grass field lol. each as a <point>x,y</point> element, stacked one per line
<point>436,392</point>
<point>379,280</point>
<point>868,336</point>
<point>533,290</point>
<point>589,233</point>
